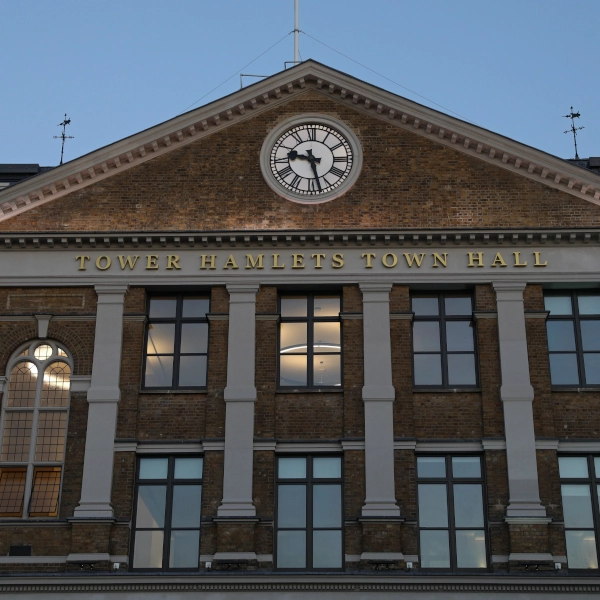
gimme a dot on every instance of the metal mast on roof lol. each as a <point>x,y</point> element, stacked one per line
<point>63,136</point>
<point>574,129</point>
<point>296,32</point>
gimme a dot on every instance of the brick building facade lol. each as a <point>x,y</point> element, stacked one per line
<point>389,388</point>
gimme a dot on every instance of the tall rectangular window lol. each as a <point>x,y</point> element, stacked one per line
<point>452,521</point>
<point>309,524</point>
<point>176,354</point>
<point>580,489</point>
<point>444,352</point>
<point>310,343</point>
<point>167,506</point>
<point>573,328</point>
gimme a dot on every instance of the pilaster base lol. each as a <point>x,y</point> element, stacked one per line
<point>236,541</point>
<point>93,510</point>
<point>528,542</point>
<point>236,509</point>
<point>385,509</point>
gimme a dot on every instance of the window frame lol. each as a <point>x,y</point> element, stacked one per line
<point>449,480</point>
<point>309,481</point>
<point>32,466</point>
<point>576,319</point>
<point>310,320</point>
<point>592,481</point>
<point>169,483</point>
<point>178,320</point>
<point>442,318</point>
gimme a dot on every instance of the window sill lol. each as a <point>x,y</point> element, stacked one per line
<point>445,390</point>
<point>333,390</point>
<point>555,388</point>
<point>190,391</point>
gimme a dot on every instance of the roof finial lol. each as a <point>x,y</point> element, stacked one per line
<point>63,136</point>
<point>573,129</point>
<point>296,32</point>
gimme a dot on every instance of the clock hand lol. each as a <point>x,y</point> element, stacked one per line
<point>314,168</point>
<point>293,155</point>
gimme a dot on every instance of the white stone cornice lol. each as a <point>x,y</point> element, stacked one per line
<point>264,95</point>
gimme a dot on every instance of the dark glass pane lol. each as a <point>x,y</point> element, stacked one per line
<point>581,550</point>
<point>151,506</point>
<point>195,308</point>
<point>470,550</point>
<point>292,338</point>
<point>426,336</point>
<point>466,466</point>
<point>188,468</point>
<point>590,334</point>
<point>461,369</point>
<point>292,468</point>
<point>558,305</point>
<point>327,306</point>
<point>159,371</point>
<point>327,467</point>
<point>294,306</point>
<point>425,306</point>
<point>561,336</point>
<point>161,338</point>
<point>591,363</point>
<point>194,338</point>
<point>433,506</point>
<point>186,506</point>
<point>459,336</point>
<point>291,549</point>
<point>327,337</point>
<point>431,466</point>
<point>577,506</point>
<point>185,549</point>
<point>428,369</point>
<point>573,467</point>
<point>435,550</point>
<point>458,305</point>
<point>327,506</point>
<point>563,369</point>
<point>163,308</point>
<point>148,553</point>
<point>292,370</point>
<point>192,371</point>
<point>327,369</point>
<point>596,468</point>
<point>589,304</point>
<point>291,506</point>
<point>153,468</point>
<point>468,505</point>
<point>327,549</point>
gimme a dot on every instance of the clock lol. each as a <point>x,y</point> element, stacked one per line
<point>311,159</point>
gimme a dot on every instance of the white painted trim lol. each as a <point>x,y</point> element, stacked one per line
<point>382,556</point>
<point>32,560</point>
<point>88,557</point>
<point>493,444</point>
<point>449,446</point>
<point>578,446</point>
<point>235,556</point>
<point>352,445</point>
<point>80,383</point>
<point>300,447</point>
<point>527,520</point>
<point>213,446</point>
<point>546,444</point>
<point>540,556</point>
<point>43,321</point>
<point>268,446</point>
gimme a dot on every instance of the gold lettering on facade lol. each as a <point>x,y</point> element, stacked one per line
<point>172,262</point>
<point>410,260</point>
<point>318,258</point>
<point>337,261</point>
<point>276,264</point>
<point>538,262</point>
<point>499,261</point>
<point>298,261</point>
<point>82,260</point>
<point>254,263</point>
<point>129,262</point>
<point>107,262</point>
<point>210,258</point>
<point>385,260</point>
<point>473,259</point>
<point>230,262</point>
<point>438,258</point>
<point>369,257</point>
<point>151,261</point>
<point>518,262</point>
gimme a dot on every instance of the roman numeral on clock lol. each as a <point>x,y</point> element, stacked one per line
<point>312,134</point>
<point>338,159</point>
<point>295,181</point>
<point>332,148</point>
<point>285,172</point>
<point>297,137</point>
<point>336,171</point>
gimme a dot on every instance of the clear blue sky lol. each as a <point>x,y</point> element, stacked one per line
<point>118,67</point>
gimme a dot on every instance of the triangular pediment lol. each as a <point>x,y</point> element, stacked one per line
<point>464,137</point>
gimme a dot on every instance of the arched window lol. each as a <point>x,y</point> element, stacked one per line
<point>33,428</point>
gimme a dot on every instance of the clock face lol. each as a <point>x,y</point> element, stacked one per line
<point>311,159</point>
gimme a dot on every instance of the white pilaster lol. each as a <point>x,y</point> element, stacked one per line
<point>378,396</point>
<point>240,396</point>
<point>103,398</point>
<point>516,393</point>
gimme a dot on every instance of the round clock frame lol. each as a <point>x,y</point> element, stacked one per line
<point>330,150</point>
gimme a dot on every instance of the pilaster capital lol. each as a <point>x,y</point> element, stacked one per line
<point>239,393</point>
<point>103,395</point>
<point>509,290</point>
<point>242,288</point>
<point>378,393</point>
<point>375,291</point>
<point>111,293</point>
<point>516,393</point>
